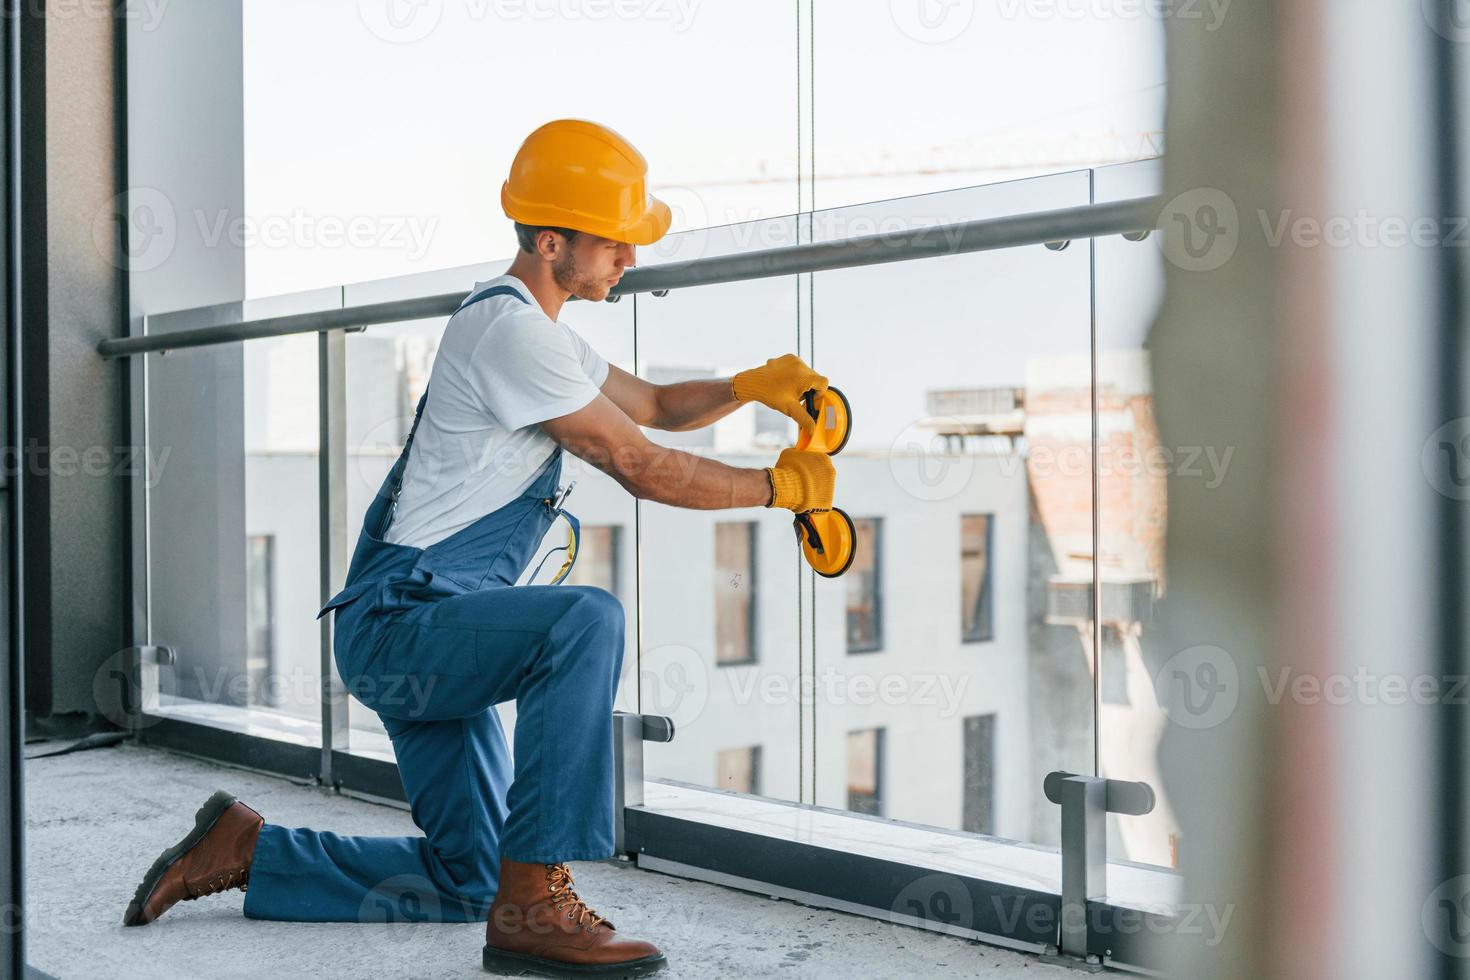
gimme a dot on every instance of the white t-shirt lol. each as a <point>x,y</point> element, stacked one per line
<point>502,368</point>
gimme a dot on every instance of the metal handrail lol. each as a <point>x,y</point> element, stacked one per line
<point>983,234</point>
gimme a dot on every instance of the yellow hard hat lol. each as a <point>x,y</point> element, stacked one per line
<point>575,174</point>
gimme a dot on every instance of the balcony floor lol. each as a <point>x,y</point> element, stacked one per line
<point>97,819</point>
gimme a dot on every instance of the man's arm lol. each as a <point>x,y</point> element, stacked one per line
<point>672,408</point>
<point>607,437</point>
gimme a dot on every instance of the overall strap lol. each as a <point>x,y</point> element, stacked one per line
<point>488,292</point>
<point>396,476</point>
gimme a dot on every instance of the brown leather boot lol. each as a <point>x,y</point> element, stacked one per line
<point>539,925</point>
<point>214,857</point>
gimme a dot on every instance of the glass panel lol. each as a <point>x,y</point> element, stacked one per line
<point>388,367</point>
<point>706,582</point>
<point>335,197</point>
<point>968,477</point>
<point>1078,90</point>
<point>233,436</point>
<point>1133,466</point>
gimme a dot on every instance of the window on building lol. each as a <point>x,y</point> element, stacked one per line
<point>599,562</point>
<point>979,802</point>
<point>865,588</point>
<point>735,606</point>
<point>865,771</point>
<point>976,622</point>
<point>739,769</point>
<point>260,618</point>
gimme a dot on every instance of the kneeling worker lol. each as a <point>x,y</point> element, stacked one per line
<point>428,606</point>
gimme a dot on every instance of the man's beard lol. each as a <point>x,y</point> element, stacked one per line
<point>568,275</point>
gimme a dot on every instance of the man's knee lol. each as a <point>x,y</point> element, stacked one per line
<point>597,605</point>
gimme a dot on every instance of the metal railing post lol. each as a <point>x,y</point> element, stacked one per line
<point>630,731</point>
<point>1086,802</point>
<point>332,529</point>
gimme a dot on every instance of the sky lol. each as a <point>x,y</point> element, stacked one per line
<point>403,115</point>
<point>400,118</point>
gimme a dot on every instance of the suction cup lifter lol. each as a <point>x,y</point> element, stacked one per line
<point>833,416</point>
<point>828,537</point>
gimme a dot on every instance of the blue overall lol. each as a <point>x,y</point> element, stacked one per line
<point>432,639</point>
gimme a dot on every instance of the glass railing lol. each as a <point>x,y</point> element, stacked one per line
<point>721,588</point>
<point>936,683</point>
<point>1133,467</point>
<point>947,685</point>
<point>233,517</point>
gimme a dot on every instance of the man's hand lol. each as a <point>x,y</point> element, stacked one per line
<point>802,481</point>
<point>779,384</point>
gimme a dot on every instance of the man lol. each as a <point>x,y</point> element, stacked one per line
<point>428,606</point>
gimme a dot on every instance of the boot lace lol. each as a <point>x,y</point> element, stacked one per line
<point>221,882</point>
<point>565,899</point>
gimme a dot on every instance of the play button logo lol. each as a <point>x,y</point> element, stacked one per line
<point>932,21</point>
<point>401,21</point>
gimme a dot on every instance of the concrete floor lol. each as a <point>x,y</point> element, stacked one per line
<point>97,819</point>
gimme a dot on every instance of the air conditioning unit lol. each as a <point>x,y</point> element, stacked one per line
<point>975,411</point>
<point>959,402</point>
<point>1125,600</point>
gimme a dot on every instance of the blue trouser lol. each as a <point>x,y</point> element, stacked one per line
<point>434,677</point>
<point>432,639</point>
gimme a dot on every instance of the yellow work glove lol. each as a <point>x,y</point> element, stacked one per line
<point>802,481</point>
<point>779,384</point>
